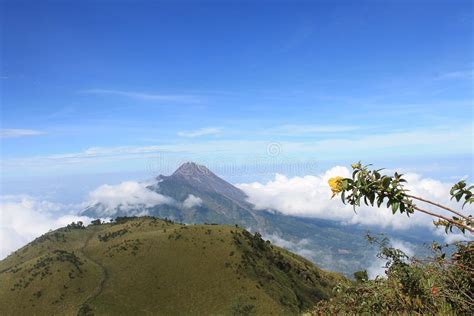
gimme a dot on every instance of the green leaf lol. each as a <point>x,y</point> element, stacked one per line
<point>451,192</point>
<point>379,201</point>
<point>395,206</point>
<point>372,198</point>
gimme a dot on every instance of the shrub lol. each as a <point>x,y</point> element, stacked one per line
<point>361,276</point>
<point>440,284</point>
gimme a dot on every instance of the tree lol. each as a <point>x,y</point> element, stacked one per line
<point>74,225</point>
<point>96,222</point>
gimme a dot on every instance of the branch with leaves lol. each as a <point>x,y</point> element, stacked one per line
<point>374,188</point>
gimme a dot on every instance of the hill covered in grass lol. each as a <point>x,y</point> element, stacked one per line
<point>150,266</point>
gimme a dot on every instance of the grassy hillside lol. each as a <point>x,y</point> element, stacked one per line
<point>151,266</point>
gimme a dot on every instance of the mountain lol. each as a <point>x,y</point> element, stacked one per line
<point>329,244</point>
<point>214,199</point>
<point>145,265</point>
<point>199,177</point>
<point>221,202</point>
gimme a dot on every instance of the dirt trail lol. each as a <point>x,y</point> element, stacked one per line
<point>85,305</point>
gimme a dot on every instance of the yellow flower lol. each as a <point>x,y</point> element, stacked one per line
<point>336,185</point>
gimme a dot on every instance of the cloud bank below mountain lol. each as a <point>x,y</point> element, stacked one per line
<point>24,218</point>
<point>130,197</point>
<point>310,196</point>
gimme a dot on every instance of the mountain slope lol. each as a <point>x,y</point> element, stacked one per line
<point>146,265</point>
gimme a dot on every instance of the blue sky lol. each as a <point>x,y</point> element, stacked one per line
<point>122,87</point>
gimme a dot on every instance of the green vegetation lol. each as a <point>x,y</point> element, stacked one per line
<point>147,265</point>
<point>434,286</point>
<point>442,284</point>
<point>282,274</point>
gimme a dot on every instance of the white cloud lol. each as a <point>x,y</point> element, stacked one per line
<point>299,247</point>
<point>452,237</point>
<point>300,196</point>
<point>400,142</point>
<point>89,155</point>
<point>145,96</point>
<point>200,132</point>
<point>192,201</point>
<point>129,196</point>
<point>24,218</point>
<point>16,132</point>
<point>405,143</point>
<point>467,74</point>
<point>309,196</point>
<point>295,130</point>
